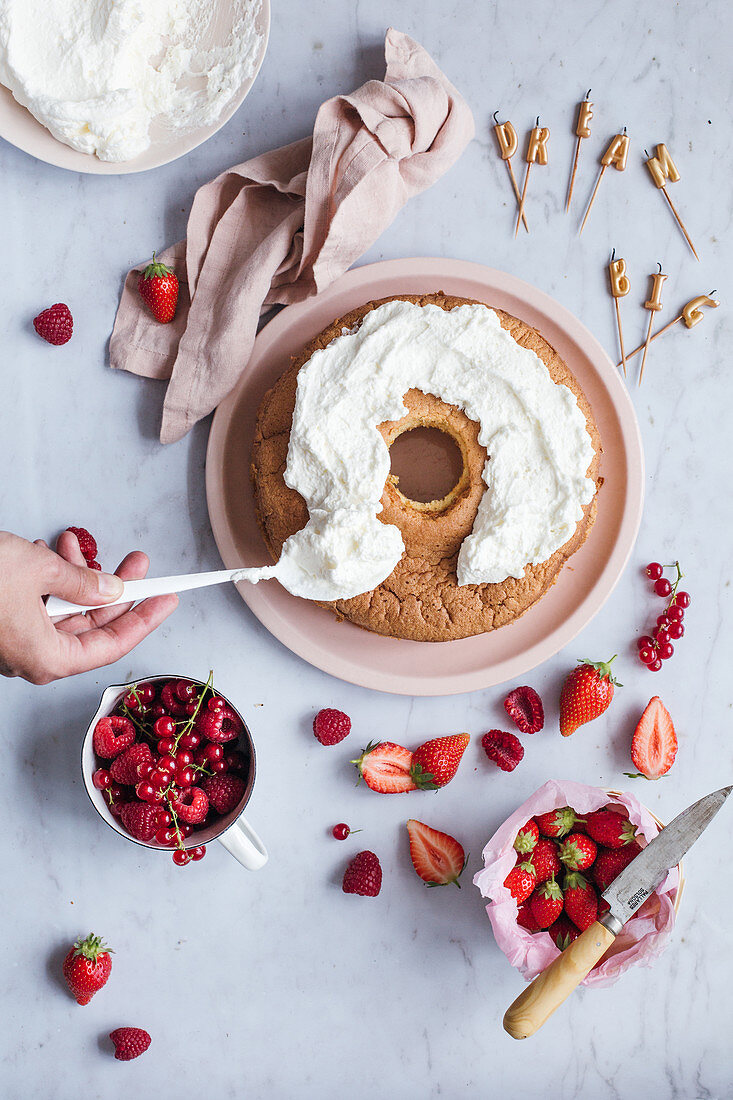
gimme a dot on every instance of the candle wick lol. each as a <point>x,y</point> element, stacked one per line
<point>624,129</point>
<point>646,154</point>
<point>713,292</point>
<point>659,266</point>
<point>613,255</point>
<point>496,120</point>
<point>538,121</point>
<point>587,94</point>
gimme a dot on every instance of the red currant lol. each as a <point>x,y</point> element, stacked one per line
<point>144,769</point>
<point>185,690</point>
<point>168,763</point>
<point>647,654</point>
<point>163,818</point>
<point>682,599</point>
<point>165,727</point>
<point>197,853</point>
<point>166,746</point>
<point>185,757</point>
<point>145,791</point>
<point>185,828</point>
<point>662,636</point>
<point>190,740</point>
<point>654,570</point>
<point>216,703</point>
<point>662,587</point>
<point>218,767</point>
<point>676,630</point>
<point>645,640</point>
<point>341,831</point>
<point>674,613</point>
<point>102,779</point>
<point>213,752</point>
<point>666,649</point>
<point>655,665</point>
<point>165,836</point>
<point>181,857</point>
<point>190,708</point>
<point>185,777</point>
<point>159,779</point>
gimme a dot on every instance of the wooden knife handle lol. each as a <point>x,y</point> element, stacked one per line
<point>555,984</point>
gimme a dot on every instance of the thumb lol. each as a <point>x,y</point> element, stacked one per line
<point>78,584</point>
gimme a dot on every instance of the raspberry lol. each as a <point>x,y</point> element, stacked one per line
<point>192,805</point>
<point>130,1042</point>
<point>94,565</point>
<point>112,736</point>
<point>224,791</point>
<point>524,707</point>
<point>363,876</point>
<point>140,819</point>
<point>217,725</point>
<point>504,749</point>
<point>55,324</point>
<point>331,726</point>
<point>87,543</point>
<point>125,768</point>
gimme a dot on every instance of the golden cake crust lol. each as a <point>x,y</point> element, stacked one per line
<point>421,599</point>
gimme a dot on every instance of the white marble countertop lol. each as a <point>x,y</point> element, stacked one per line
<point>278,985</point>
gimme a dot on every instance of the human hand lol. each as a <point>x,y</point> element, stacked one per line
<point>39,650</point>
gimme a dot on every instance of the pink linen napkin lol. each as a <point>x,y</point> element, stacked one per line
<point>281,227</point>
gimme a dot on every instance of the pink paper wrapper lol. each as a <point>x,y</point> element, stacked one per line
<point>644,937</point>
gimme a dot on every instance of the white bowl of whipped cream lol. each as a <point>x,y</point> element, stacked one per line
<point>116,86</point>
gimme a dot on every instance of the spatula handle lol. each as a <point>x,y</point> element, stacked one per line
<point>555,984</point>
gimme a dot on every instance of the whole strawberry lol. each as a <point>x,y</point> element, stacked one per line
<point>55,325</point>
<point>557,823</point>
<point>331,726</point>
<point>586,694</point>
<point>609,828</point>
<point>610,862</point>
<point>526,920</point>
<point>363,875</point>
<point>158,287</point>
<point>577,852</point>
<point>527,837</point>
<point>521,881</point>
<point>436,762</point>
<point>87,967</point>
<point>546,903</point>
<point>130,1042</point>
<point>544,859</point>
<point>581,900</point>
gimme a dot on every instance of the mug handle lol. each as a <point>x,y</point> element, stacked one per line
<point>241,841</point>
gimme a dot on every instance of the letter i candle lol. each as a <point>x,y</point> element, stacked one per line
<point>654,305</point>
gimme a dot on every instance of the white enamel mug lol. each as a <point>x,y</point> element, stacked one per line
<point>232,830</point>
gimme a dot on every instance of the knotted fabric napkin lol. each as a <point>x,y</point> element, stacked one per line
<point>284,225</point>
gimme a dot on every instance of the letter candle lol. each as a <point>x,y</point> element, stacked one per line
<point>663,168</point>
<point>620,287</point>
<point>616,154</point>
<point>654,305</point>
<point>536,154</point>
<point>506,136</point>
<point>582,130</point>
<point>691,314</point>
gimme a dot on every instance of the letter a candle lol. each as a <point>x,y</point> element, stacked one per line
<point>617,154</point>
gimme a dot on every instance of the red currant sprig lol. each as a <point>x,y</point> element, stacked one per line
<point>658,647</point>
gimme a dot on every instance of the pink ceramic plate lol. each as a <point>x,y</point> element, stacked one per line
<point>425,668</point>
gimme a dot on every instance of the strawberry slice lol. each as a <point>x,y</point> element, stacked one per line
<point>654,745</point>
<point>437,857</point>
<point>385,768</point>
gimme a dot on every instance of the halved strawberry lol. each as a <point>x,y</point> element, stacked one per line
<point>437,857</point>
<point>385,768</point>
<point>654,745</point>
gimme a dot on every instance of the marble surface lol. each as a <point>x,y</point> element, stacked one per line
<point>276,984</point>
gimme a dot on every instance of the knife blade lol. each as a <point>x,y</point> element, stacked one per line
<point>625,895</point>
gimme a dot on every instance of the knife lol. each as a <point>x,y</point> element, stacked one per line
<point>625,895</point>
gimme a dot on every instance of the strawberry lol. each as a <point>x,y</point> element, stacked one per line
<point>546,903</point>
<point>191,805</point>
<point>125,768</point>
<point>158,287</point>
<point>224,792</point>
<point>437,857</point>
<point>578,851</point>
<point>563,932</point>
<point>586,694</point>
<point>609,828</point>
<point>524,707</point>
<point>526,920</point>
<point>436,762</point>
<point>130,1042</point>
<point>112,736</point>
<point>544,859</point>
<point>581,900</point>
<point>87,967</point>
<point>557,823</point>
<point>503,749</point>
<point>140,819</point>
<point>87,542</point>
<point>521,881</point>
<point>527,837</point>
<point>385,768</point>
<point>654,744</point>
<point>331,726</point>
<point>610,862</point>
<point>363,876</point>
<point>55,325</point>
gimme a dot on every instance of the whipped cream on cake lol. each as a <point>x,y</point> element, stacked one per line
<point>534,433</point>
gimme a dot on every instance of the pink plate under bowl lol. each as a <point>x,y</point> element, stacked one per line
<point>430,668</point>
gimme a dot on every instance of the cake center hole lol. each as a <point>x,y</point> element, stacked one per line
<point>427,463</point>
